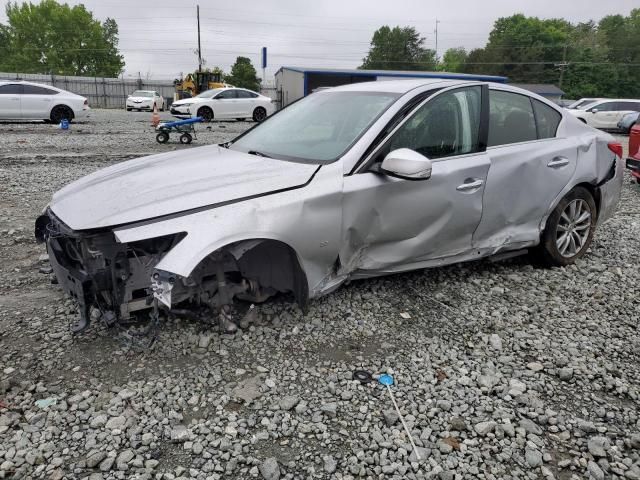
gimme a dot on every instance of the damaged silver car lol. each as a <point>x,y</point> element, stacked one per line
<point>356,181</point>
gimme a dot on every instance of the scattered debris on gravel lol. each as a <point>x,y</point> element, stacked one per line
<point>501,370</point>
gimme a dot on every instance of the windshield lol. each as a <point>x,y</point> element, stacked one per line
<point>208,93</point>
<point>317,129</point>
<point>142,93</point>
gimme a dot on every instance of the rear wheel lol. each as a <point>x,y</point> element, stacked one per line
<point>61,112</point>
<point>162,137</point>
<point>186,138</point>
<point>569,229</point>
<point>259,114</point>
<point>205,113</point>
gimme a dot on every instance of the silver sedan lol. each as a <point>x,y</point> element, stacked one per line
<point>357,181</point>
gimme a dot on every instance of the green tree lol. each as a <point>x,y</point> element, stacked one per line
<point>243,75</point>
<point>587,59</point>
<point>398,49</point>
<point>49,37</point>
<point>453,60</point>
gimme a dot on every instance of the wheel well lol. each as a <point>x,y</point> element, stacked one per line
<point>205,107</point>
<point>595,193</point>
<point>271,264</point>
<point>66,107</point>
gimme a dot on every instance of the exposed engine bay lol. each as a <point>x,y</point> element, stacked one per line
<point>116,282</point>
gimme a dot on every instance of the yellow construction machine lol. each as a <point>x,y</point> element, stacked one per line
<point>194,83</point>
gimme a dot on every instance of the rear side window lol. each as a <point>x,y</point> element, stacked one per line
<point>11,89</point>
<point>547,119</point>
<point>246,94</point>
<point>511,119</point>
<point>34,90</point>
<point>632,106</point>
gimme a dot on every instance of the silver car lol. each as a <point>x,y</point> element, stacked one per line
<point>357,181</point>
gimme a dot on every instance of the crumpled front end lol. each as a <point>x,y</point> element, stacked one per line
<point>99,272</point>
<point>115,280</point>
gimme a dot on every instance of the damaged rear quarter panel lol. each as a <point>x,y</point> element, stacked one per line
<point>307,219</point>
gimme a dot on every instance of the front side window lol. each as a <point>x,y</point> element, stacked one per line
<point>511,119</point>
<point>226,94</point>
<point>547,119</point>
<point>447,125</point>
<point>606,107</point>
<point>316,129</point>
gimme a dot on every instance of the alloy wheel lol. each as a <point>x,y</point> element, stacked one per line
<point>573,228</point>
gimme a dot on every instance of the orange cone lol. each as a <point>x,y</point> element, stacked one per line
<point>155,117</point>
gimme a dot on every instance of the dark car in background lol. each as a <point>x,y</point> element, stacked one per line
<point>628,121</point>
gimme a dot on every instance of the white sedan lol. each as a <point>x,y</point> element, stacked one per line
<point>225,104</point>
<point>145,100</point>
<point>32,101</point>
<point>606,113</point>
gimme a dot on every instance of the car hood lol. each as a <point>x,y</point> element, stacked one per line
<point>158,185</point>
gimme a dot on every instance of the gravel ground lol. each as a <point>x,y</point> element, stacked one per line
<point>503,370</point>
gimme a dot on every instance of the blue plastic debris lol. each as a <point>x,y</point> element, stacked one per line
<point>385,379</point>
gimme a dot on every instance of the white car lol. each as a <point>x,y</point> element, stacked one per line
<point>606,113</point>
<point>145,100</point>
<point>21,100</point>
<point>582,102</point>
<point>225,104</point>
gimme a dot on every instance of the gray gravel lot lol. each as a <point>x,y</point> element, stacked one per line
<point>503,370</point>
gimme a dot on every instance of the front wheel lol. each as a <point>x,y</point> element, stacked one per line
<point>569,229</point>
<point>205,113</point>
<point>186,138</point>
<point>162,137</point>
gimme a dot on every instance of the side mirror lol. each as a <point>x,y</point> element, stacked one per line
<point>406,164</point>
<point>594,110</point>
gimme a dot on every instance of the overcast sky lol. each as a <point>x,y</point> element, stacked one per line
<point>158,37</point>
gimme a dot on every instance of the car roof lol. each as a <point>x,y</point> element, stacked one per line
<point>404,86</point>
<point>24,82</point>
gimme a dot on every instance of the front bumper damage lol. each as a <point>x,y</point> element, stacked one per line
<point>118,281</point>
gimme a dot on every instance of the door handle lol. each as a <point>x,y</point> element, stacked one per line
<point>558,162</point>
<point>470,185</point>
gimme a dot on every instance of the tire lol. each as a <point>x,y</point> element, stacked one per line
<point>206,113</point>
<point>575,215</point>
<point>162,137</point>
<point>186,138</point>
<point>259,114</point>
<point>129,109</point>
<point>60,112</point>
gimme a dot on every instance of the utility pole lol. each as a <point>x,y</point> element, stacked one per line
<point>437,22</point>
<point>199,49</point>
<point>562,66</point>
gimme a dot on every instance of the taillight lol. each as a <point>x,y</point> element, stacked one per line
<point>616,148</point>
